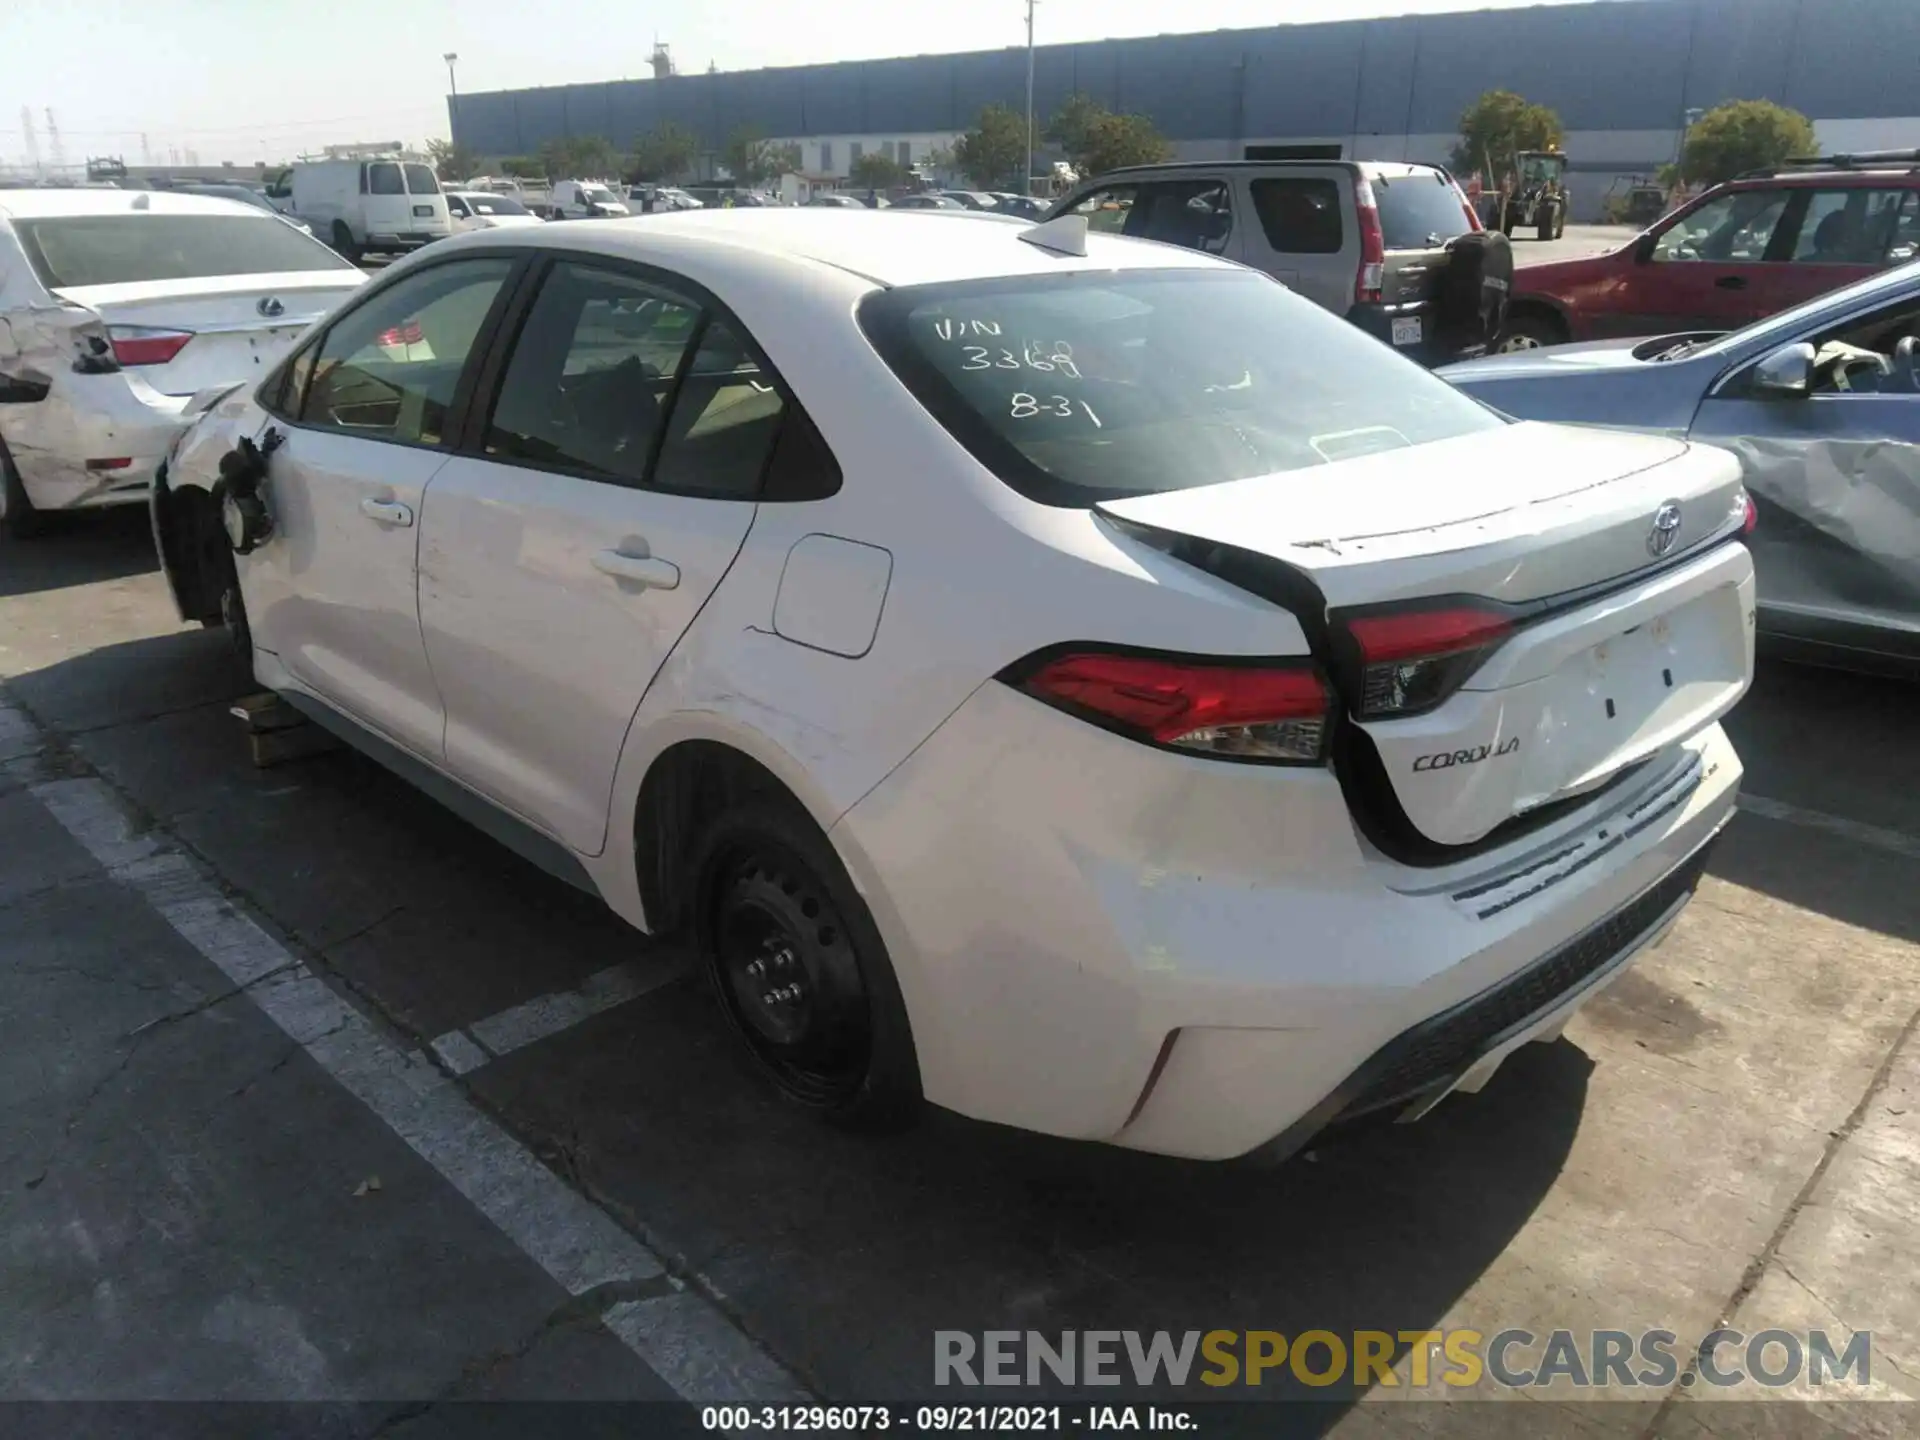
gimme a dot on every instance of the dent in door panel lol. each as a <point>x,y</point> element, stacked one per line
<point>831,594</point>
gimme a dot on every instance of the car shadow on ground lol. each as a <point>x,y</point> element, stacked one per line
<point>843,1254</point>
<point>79,549</point>
<point>1827,746</point>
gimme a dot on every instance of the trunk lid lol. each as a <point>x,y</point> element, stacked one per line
<point>1619,626</point>
<point>240,323</point>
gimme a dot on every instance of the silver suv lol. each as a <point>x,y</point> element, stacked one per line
<point>1385,244</point>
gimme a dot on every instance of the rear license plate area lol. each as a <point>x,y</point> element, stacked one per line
<point>1407,331</point>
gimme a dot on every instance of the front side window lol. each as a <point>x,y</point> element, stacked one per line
<point>1300,216</point>
<point>383,178</point>
<point>457,206</point>
<point>1736,228</point>
<point>1193,214</point>
<point>388,369</point>
<point>77,250</point>
<point>1107,210</point>
<point>592,374</point>
<point>1075,389</point>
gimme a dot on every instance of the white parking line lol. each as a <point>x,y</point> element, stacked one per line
<point>1895,841</point>
<point>514,1029</point>
<point>681,1336</point>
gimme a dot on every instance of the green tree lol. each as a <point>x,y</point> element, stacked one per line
<point>1743,135</point>
<point>451,161</point>
<point>1117,141</point>
<point>580,157</point>
<point>1498,124</point>
<point>995,150</point>
<point>665,152</point>
<point>753,161</point>
<point>1097,140</point>
<point>876,170</point>
<point>524,167</point>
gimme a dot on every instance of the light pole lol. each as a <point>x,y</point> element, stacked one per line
<point>450,57</point>
<point>1026,187</point>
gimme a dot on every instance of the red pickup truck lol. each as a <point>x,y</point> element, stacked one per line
<point>1742,251</point>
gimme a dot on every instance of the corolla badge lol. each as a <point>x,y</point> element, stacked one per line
<point>271,307</point>
<point>1666,529</point>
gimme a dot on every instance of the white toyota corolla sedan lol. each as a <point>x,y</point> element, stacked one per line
<point>1069,679</point>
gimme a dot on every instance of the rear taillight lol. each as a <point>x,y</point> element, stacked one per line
<point>407,334</point>
<point>143,345</point>
<point>1372,276</point>
<point>1272,711</point>
<point>1473,215</point>
<point>1411,660</point>
<point>1751,515</point>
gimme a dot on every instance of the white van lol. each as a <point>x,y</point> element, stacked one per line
<point>358,206</point>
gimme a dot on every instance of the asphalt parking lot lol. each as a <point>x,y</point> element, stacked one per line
<point>312,1092</point>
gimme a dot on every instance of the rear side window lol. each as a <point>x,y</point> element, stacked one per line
<point>1075,389</point>
<point>592,375</point>
<point>76,250</point>
<point>1301,216</point>
<point>726,415</point>
<point>383,178</point>
<point>1851,227</point>
<point>420,181</point>
<point>1418,211</point>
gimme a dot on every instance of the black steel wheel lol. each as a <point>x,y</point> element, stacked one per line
<point>799,968</point>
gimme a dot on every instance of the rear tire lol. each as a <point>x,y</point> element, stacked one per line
<point>1548,220</point>
<point>18,518</point>
<point>799,968</point>
<point>345,244</point>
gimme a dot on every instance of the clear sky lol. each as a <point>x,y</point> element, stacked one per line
<point>248,80</point>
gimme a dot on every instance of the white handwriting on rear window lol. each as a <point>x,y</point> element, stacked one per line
<point>1025,407</point>
<point>948,328</point>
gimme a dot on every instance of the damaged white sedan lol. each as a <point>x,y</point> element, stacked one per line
<point>1066,678</point>
<point>116,307</point>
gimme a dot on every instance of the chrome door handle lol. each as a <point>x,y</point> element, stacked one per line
<point>643,570</point>
<point>387,512</point>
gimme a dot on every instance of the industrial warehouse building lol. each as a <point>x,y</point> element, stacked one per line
<point>1623,75</point>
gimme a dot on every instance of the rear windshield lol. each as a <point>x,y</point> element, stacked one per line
<point>420,181</point>
<point>495,205</point>
<point>75,250</point>
<point>1086,387</point>
<point>1419,211</point>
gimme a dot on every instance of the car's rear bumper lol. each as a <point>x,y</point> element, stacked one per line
<point>1379,321</point>
<point>1101,940</point>
<point>403,240</point>
<point>61,444</point>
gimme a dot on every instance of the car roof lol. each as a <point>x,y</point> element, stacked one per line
<point>1833,178</point>
<point>887,247</point>
<point>1373,167</point>
<point>46,204</point>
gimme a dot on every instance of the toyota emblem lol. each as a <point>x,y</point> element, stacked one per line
<point>271,307</point>
<point>1666,529</point>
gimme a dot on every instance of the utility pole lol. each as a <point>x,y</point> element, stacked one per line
<point>450,57</point>
<point>1026,187</point>
<point>56,152</point>
<point>33,142</point>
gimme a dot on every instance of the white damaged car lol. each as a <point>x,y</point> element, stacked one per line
<point>1067,679</point>
<point>116,307</point>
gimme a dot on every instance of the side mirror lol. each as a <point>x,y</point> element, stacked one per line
<point>1643,248</point>
<point>1786,372</point>
<point>1906,365</point>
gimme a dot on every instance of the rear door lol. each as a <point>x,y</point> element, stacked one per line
<point>427,212</point>
<point>1844,235</point>
<point>1302,235</point>
<point>1420,211</point>
<point>389,210</point>
<point>605,492</point>
<point>1718,266</point>
<point>366,426</point>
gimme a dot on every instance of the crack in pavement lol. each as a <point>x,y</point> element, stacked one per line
<point>581,1311</point>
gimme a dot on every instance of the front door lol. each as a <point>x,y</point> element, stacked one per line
<point>333,594</point>
<point>560,564</point>
<point>1836,478</point>
<point>1715,267</point>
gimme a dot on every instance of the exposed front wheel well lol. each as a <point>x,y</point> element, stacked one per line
<point>194,547</point>
<point>687,784</point>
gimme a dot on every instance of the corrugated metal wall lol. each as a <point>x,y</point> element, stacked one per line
<point>1630,65</point>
